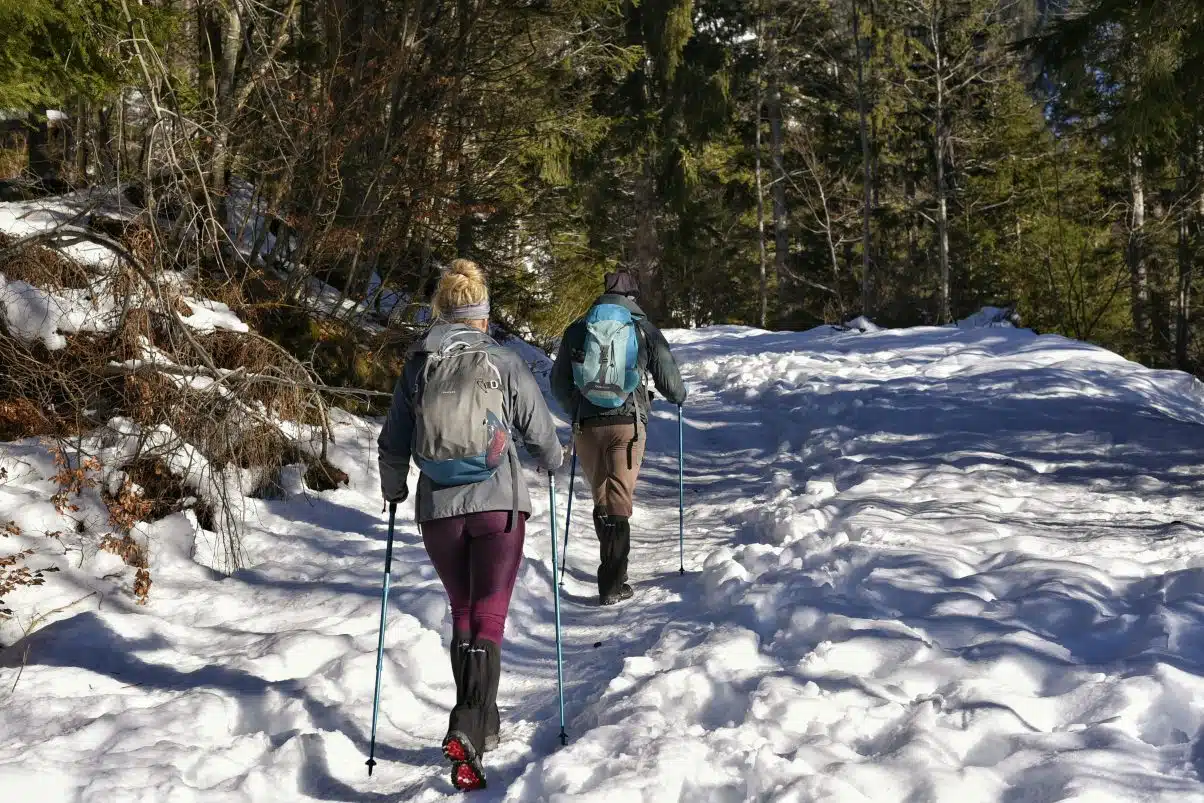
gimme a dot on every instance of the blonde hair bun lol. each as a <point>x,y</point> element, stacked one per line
<point>461,285</point>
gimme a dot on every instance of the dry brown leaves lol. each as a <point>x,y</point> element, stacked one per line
<point>42,267</point>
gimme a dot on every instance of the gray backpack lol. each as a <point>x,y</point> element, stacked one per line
<point>460,436</point>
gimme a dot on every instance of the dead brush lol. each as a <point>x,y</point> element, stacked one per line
<point>127,508</point>
<point>135,234</point>
<point>145,398</point>
<point>261,446</point>
<point>269,374</point>
<point>217,396</point>
<point>42,267</point>
<point>166,492</point>
<point>15,573</point>
<point>72,480</point>
<point>232,350</point>
<point>13,161</point>
<point>132,555</point>
<point>22,418</point>
<point>232,285</point>
<point>322,475</point>
<point>47,392</point>
<point>206,419</point>
<point>266,450</point>
<point>138,327</point>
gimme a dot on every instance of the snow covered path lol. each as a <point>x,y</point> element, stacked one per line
<point>924,565</point>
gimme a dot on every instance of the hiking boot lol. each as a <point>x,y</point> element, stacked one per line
<point>614,546</point>
<point>465,739</point>
<point>624,592</point>
<point>467,773</point>
<point>493,718</point>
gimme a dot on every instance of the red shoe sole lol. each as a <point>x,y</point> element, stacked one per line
<point>467,774</point>
<point>454,750</point>
<point>466,779</point>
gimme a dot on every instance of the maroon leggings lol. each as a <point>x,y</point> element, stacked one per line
<point>477,560</point>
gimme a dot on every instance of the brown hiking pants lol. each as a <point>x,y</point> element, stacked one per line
<point>610,456</point>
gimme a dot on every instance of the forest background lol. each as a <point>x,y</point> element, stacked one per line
<point>764,162</point>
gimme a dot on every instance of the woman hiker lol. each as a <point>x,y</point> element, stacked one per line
<point>458,398</point>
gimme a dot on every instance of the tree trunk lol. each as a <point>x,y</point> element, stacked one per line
<point>1186,260</point>
<point>71,143</point>
<point>227,85</point>
<point>102,140</point>
<point>761,232</point>
<point>781,222</point>
<point>119,149</point>
<point>37,143</point>
<point>1191,238</point>
<point>79,129</point>
<point>646,245</point>
<point>1138,273</point>
<point>867,276</point>
<point>466,221</point>
<point>942,147</point>
<point>209,54</point>
<point>761,200</point>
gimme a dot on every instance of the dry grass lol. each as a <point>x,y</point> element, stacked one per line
<point>274,377</point>
<point>165,492</point>
<point>134,234</point>
<point>42,267</point>
<point>12,161</point>
<point>233,350</point>
<point>139,327</point>
<point>22,418</point>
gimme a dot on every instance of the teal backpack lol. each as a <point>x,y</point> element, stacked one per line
<point>608,372</point>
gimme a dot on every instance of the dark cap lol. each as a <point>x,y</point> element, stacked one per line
<point>622,283</point>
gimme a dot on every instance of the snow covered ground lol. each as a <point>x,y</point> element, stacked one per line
<point>923,565</point>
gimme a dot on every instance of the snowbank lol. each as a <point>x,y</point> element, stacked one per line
<point>942,565</point>
<point>958,570</point>
<point>19,219</point>
<point>208,315</point>
<point>988,317</point>
<point>33,314</point>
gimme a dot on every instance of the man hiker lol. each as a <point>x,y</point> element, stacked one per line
<point>455,404</point>
<point>599,380</point>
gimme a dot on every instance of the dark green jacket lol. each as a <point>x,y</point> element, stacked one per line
<point>654,358</point>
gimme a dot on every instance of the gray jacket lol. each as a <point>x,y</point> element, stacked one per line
<point>654,358</point>
<point>527,414</point>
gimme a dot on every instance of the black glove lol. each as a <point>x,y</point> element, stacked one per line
<point>399,495</point>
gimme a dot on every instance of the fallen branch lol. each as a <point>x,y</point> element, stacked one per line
<point>219,375</point>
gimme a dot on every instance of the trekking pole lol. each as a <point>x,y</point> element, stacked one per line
<point>568,516</point>
<point>681,491</point>
<point>380,644</point>
<point>564,737</point>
